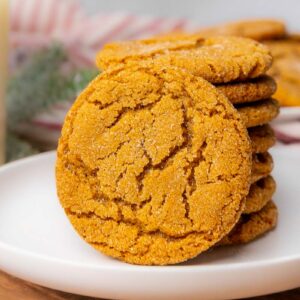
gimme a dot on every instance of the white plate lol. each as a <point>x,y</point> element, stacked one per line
<point>38,244</point>
<point>288,114</point>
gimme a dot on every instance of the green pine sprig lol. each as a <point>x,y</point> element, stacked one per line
<point>42,81</point>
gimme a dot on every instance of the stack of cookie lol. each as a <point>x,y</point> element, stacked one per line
<point>285,49</point>
<point>286,71</point>
<point>244,82</point>
<point>164,155</point>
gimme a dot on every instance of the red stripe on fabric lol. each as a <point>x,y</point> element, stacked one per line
<point>17,15</point>
<point>28,40</point>
<point>12,14</point>
<point>178,25</point>
<point>49,125</point>
<point>50,25</point>
<point>69,17</point>
<point>77,57</point>
<point>117,29</point>
<point>96,22</point>
<point>62,106</point>
<point>149,27</point>
<point>284,138</point>
<point>33,16</point>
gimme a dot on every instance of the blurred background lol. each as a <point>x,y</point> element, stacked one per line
<point>52,45</point>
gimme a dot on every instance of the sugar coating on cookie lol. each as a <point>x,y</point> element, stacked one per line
<point>153,165</point>
<point>216,59</point>
<point>252,226</point>
<point>262,138</point>
<point>260,193</point>
<point>257,29</point>
<point>258,113</point>
<point>259,88</point>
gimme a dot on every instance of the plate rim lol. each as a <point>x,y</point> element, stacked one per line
<point>139,268</point>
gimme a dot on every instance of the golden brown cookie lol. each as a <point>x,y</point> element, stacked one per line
<point>260,193</point>
<point>286,70</point>
<point>216,59</point>
<point>262,166</point>
<point>284,47</point>
<point>252,226</point>
<point>258,113</point>
<point>288,92</point>
<point>262,138</point>
<point>257,29</point>
<point>287,73</point>
<point>153,165</point>
<point>259,88</point>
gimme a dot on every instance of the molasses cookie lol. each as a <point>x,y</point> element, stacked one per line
<point>256,89</point>
<point>262,138</point>
<point>262,166</point>
<point>216,59</point>
<point>153,165</point>
<point>252,226</point>
<point>260,193</point>
<point>258,113</point>
<point>257,29</point>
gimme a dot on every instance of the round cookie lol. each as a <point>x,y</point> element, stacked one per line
<point>286,69</point>
<point>262,166</point>
<point>257,29</point>
<point>262,138</point>
<point>288,92</point>
<point>252,226</point>
<point>258,113</point>
<point>259,88</point>
<point>284,47</point>
<point>216,59</point>
<point>153,165</point>
<point>260,193</point>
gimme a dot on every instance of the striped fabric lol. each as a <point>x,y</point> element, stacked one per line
<point>36,23</point>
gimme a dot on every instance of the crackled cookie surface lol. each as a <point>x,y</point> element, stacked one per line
<point>153,165</point>
<point>252,226</point>
<point>260,193</point>
<point>216,59</point>
<point>256,89</point>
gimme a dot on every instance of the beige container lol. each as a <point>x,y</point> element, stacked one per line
<point>3,72</point>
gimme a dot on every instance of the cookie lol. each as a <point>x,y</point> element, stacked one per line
<point>257,29</point>
<point>288,92</point>
<point>262,166</point>
<point>258,113</point>
<point>259,88</point>
<point>260,193</point>
<point>286,69</point>
<point>153,165</point>
<point>284,47</point>
<point>216,59</point>
<point>252,226</point>
<point>262,138</point>
<point>287,73</point>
